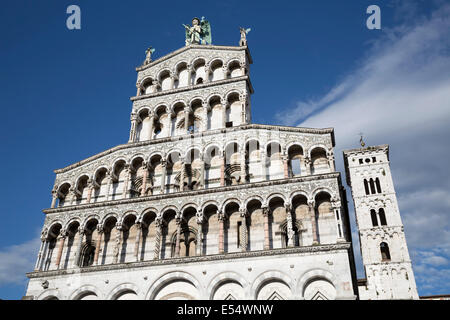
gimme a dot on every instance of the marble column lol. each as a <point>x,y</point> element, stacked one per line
<point>54,198</point>
<point>221,217</point>
<point>90,187</point>
<point>189,74</point>
<point>289,226</point>
<point>286,166</point>
<point>263,166</point>
<point>118,243</point>
<point>163,176</point>
<point>144,179</point>
<point>134,122</point>
<point>202,173</point>
<point>125,191</point>
<point>205,116</point>
<point>308,165</point>
<point>78,261</point>
<point>186,120</point>
<point>169,126</point>
<point>266,228</point>
<point>222,169</point>
<point>98,244</point>
<point>108,186</point>
<point>243,167</point>
<point>61,239</point>
<point>177,243</point>
<point>37,266</point>
<point>207,73</point>
<point>182,175</point>
<point>312,213</point>
<point>138,240</point>
<point>331,163</point>
<point>150,128</point>
<point>199,247</point>
<point>336,207</point>
<point>225,72</point>
<point>244,231</point>
<point>157,249</point>
<point>224,112</point>
<point>72,196</point>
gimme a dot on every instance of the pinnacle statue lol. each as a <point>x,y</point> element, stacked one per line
<point>199,33</point>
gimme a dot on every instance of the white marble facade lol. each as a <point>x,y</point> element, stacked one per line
<point>200,203</point>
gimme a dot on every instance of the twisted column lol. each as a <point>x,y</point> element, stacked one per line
<point>157,248</point>
<point>98,244</point>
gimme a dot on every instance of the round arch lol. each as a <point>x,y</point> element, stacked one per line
<point>123,288</point>
<point>169,277</point>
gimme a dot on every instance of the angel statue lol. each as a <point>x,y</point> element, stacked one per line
<point>244,32</point>
<point>199,33</point>
<point>148,55</point>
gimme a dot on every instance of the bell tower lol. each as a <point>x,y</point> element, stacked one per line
<point>383,245</point>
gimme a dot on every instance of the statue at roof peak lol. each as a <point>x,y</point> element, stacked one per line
<point>199,32</point>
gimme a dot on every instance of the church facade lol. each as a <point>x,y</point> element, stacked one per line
<point>203,204</point>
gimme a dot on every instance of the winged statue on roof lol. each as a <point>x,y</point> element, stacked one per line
<point>199,32</point>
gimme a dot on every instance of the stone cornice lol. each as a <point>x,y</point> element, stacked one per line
<point>363,151</point>
<point>195,46</point>
<point>316,249</point>
<point>194,193</point>
<point>195,135</point>
<point>195,87</point>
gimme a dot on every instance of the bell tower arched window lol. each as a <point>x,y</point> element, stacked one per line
<point>385,254</point>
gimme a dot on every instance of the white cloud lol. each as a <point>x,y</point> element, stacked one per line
<point>400,95</point>
<point>17,260</point>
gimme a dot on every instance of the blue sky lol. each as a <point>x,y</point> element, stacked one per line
<point>65,96</point>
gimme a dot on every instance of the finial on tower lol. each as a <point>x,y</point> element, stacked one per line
<point>199,33</point>
<point>361,141</point>
<point>244,32</point>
